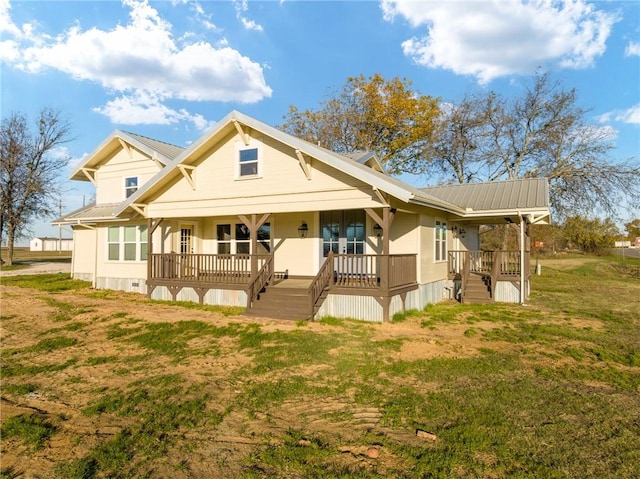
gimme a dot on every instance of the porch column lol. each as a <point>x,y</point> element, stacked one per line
<point>254,225</point>
<point>151,227</point>
<point>522,287</point>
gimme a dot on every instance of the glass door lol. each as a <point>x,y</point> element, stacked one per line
<point>343,232</point>
<point>186,239</point>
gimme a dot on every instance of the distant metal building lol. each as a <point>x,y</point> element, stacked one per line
<point>51,244</point>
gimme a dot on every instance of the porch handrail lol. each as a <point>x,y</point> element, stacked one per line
<point>260,280</point>
<point>498,263</point>
<point>208,268</point>
<point>320,282</point>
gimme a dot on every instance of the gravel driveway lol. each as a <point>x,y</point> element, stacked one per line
<point>39,268</point>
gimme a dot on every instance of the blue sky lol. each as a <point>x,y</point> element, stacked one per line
<point>170,69</point>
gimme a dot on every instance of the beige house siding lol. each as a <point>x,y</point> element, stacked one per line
<point>281,187</point>
<point>83,265</point>
<point>110,186</point>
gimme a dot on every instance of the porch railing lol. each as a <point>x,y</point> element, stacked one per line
<point>321,281</point>
<point>205,268</point>
<point>498,264</point>
<point>260,280</point>
<point>374,271</point>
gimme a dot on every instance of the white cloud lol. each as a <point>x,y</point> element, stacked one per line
<point>141,60</point>
<point>494,38</point>
<point>633,49</point>
<point>145,108</point>
<point>630,115</point>
<point>241,7</point>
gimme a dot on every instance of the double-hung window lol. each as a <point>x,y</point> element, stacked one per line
<point>127,243</point>
<point>441,241</point>
<point>130,186</point>
<point>248,160</point>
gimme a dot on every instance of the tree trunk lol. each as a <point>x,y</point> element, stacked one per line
<point>11,236</point>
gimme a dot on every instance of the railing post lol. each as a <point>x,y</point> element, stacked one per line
<point>384,272</point>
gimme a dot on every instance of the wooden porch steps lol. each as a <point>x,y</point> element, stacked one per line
<point>477,289</point>
<point>282,302</point>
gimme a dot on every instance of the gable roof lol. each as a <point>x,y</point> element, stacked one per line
<point>377,179</point>
<point>163,152</point>
<point>523,193</point>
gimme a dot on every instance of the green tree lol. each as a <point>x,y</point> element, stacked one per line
<point>371,115</point>
<point>633,229</point>
<point>29,171</point>
<point>595,236</point>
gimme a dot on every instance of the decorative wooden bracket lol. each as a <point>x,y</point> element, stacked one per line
<point>155,159</point>
<point>126,147</point>
<point>243,135</point>
<point>380,196</point>
<point>139,208</point>
<point>187,172</point>
<point>90,173</point>
<point>304,164</point>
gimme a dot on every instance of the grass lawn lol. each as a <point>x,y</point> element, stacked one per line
<point>100,384</point>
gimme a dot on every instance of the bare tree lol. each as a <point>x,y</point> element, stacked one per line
<point>29,171</point>
<point>542,133</point>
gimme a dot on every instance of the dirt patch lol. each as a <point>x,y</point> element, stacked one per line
<point>106,359</point>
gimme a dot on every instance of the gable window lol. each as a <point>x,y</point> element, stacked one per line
<point>248,162</point>
<point>130,185</point>
<point>127,243</point>
<point>441,241</point>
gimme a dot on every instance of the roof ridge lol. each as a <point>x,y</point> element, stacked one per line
<point>152,139</point>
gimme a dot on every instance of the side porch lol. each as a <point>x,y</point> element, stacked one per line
<point>488,276</point>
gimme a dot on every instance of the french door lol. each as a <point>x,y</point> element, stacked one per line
<point>343,232</point>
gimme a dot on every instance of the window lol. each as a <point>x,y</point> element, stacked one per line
<point>248,163</point>
<point>130,185</point>
<point>243,239</point>
<point>264,239</point>
<point>441,241</point>
<point>127,243</point>
<point>224,239</point>
<point>240,241</point>
<point>114,243</point>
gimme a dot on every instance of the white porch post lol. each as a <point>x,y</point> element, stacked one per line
<point>522,287</point>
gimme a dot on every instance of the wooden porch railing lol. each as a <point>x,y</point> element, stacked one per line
<point>260,280</point>
<point>204,268</point>
<point>321,281</point>
<point>498,264</point>
<point>369,272</point>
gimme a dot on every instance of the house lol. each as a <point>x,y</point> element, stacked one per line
<point>251,216</point>
<point>45,243</point>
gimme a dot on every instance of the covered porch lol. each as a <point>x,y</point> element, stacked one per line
<point>361,266</point>
<point>378,276</point>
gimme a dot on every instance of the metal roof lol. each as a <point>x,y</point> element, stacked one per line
<point>524,193</point>
<point>376,179</point>
<point>89,213</point>
<point>166,149</point>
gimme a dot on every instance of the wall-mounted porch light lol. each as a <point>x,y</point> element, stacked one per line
<point>377,230</point>
<point>459,232</point>
<point>303,229</point>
